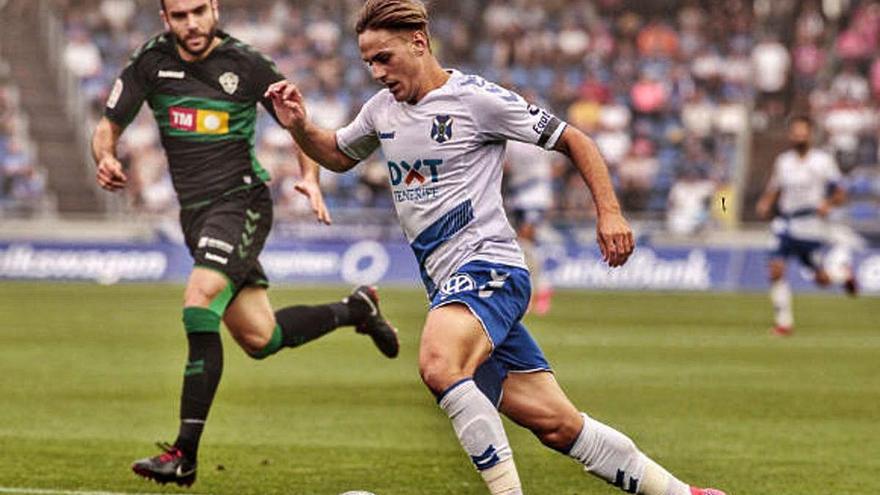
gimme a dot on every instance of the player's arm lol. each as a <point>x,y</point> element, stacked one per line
<point>104,140</point>
<point>836,195</point>
<point>768,198</point>
<point>310,186</point>
<point>318,143</point>
<point>125,99</point>
<point>614,233</point>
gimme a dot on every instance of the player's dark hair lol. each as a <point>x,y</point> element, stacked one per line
<point>804,118</point>
<point>162,5</point>
<point>393,15</point>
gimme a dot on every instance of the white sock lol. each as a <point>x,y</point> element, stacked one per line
<point>780,295</point>
<point>612,456</point>
<point>478,427</point>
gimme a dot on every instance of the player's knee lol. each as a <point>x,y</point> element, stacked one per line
<point>253,346</point>
<point>558,430</point>
<point>777,271</point>
<point>199,296</point>
<point>436,372</point>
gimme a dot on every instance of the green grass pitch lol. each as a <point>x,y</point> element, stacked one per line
<point>90,378</point>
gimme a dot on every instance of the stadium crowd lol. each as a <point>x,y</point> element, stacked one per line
<point>665,95</point>
<point>22,181</point>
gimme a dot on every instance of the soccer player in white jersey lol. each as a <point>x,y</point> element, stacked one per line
<point>803,187</point>
<point>529,174</point>
<point>443,134</point>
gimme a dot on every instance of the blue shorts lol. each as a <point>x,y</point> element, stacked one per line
<point>498,295</point>
<point>808,252</point>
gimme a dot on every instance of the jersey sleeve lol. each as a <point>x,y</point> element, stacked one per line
<point>358,140</point>
<point>501,114</point>
<point>832,171</point>
<point>128,93</point>
<point>263,74</point>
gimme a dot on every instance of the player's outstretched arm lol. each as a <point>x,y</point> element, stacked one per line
<point>613,233</point>
<point>764,206</point>
<point>310,187</point>
<point>318,143</point>
<point>109,175</point>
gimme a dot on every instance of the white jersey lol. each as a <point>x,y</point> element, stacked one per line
<point>530,176</point>
<point>445,156</point>
<point>803,184</point>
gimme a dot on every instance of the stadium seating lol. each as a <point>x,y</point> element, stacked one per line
<point>672,83</point>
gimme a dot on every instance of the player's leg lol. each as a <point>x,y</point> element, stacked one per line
<point>780,296</point>
<point>224,239</point>
<point>453,345</point>
<point>205,298</point>
<point>261,331</point>
<point>780,291</point>
<point>535,401</point>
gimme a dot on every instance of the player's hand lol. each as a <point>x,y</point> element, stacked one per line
<point>615,239</point>
<point>289,104</point>
<point>312,190</point>
<point>109,175</point>
<point>763,209</point>
<point>824,209</point>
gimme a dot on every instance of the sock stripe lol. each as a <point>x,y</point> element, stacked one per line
<point>453,387</point>
<point>200,320</point>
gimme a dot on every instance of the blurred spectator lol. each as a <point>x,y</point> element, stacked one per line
<point>82,55</point>
<point>648,88</point>
<point>689,199</point>
<point>636,172</point>
<point>771,62</point>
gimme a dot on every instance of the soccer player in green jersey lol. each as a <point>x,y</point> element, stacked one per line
<point>203,86</point>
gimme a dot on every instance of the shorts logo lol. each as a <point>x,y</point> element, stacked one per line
<point>496,282</point>
<point>247,237</point>
<point>198,121</point>
<point>229,81</point>
<point>441,128</point>
<point>460,282</point>
<point>211,243</point>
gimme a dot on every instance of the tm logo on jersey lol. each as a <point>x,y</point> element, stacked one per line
<point>198,121</point>
<point>416,179</point>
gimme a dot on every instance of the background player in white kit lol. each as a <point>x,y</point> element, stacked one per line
<point>803,187</point>
<point>529,175</point>
<point>444,134</point>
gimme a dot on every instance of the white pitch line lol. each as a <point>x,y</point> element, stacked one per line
<point>41,491</point>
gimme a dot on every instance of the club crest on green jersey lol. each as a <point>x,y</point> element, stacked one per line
<point>229,82</point>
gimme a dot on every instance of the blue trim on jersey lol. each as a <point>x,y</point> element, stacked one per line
<point>436,234</point>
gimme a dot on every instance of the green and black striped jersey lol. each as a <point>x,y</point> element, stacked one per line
<point>206,112</point>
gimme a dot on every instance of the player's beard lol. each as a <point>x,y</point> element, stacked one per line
<point>181,42</point>
<point>801,147</point>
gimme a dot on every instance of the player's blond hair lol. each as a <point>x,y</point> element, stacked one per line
<point>393,15</point>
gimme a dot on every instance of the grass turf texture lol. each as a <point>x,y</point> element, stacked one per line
<point>90,376</point>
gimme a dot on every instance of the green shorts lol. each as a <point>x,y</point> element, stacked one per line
<point>228,235</point>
